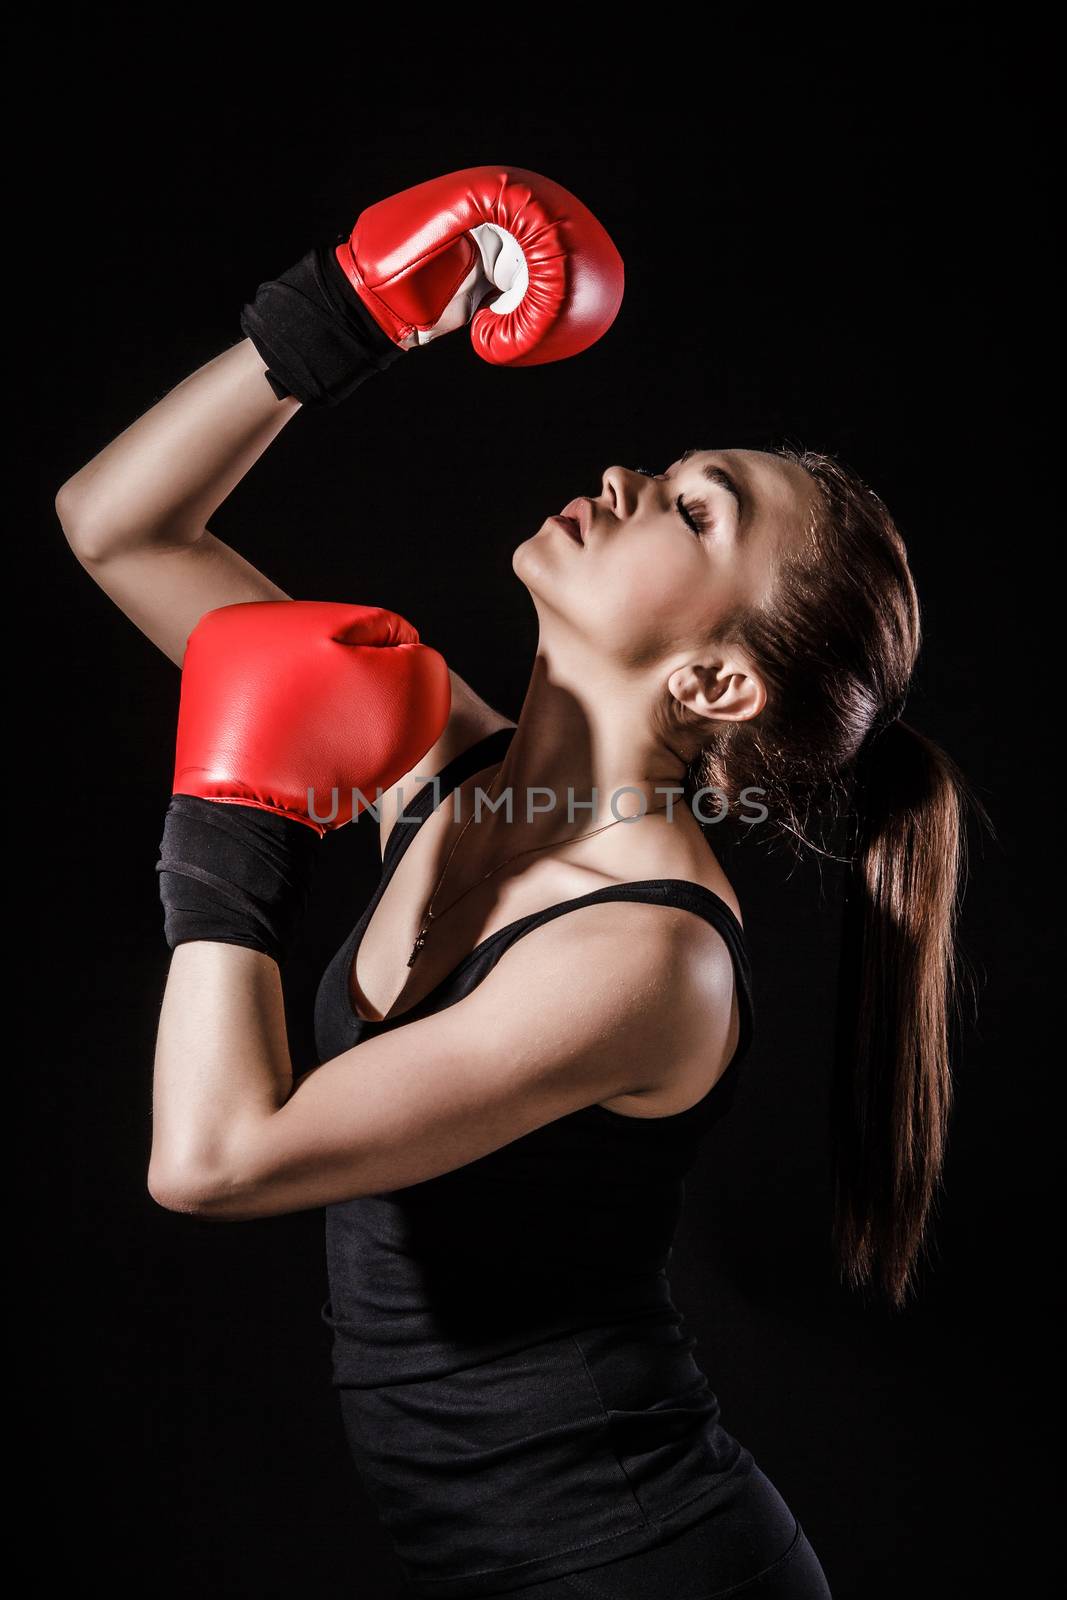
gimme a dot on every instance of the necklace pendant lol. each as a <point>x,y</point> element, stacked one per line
<point>419,942</point>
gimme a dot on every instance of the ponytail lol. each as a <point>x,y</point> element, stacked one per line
<point>836,645</point>
<point>892,1086</point>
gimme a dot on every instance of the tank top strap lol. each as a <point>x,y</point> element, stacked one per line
<point>484,752</point>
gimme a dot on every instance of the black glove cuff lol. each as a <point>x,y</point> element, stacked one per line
<point>234,874</point>
<point>316,336</point>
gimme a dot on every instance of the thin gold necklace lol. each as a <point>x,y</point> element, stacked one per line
<point>420,939</point>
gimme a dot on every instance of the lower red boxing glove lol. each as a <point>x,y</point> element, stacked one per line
<point>291,705</point>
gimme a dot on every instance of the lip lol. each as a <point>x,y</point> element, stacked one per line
<point>580,511</point>
<point>571,526</point>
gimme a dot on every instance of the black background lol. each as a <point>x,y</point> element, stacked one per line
<point>832,237</point>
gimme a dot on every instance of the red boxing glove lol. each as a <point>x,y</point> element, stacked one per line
<point>422,259</point>
<point>283,697</point>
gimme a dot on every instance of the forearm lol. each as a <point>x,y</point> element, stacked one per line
<point>222,1067</point>
<point>164,475</point>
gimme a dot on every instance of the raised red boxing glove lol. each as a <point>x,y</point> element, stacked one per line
<point>283,697</point>
<point>419,260</point>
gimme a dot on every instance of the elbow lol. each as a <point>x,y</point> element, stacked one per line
<point>188,1192</point>
<point>94,530</point>
<point>70,507</point>
<point>66,501</point>
<point>212,1197</point>
<point>170,1198</point>
<point>73,519</point>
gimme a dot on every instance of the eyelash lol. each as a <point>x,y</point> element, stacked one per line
<point>697,526</point>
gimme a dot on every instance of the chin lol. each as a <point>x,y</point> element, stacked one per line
<point>525,560</point>
<point>548,564</point>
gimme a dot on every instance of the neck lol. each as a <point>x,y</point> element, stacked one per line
<point>578,761</point>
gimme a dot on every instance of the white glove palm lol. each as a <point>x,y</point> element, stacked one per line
<point>501,270</point>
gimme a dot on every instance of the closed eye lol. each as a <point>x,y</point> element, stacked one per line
<point>697,525</point>
<point>693,516</point>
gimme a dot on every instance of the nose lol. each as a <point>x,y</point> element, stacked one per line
<point>615,482</point>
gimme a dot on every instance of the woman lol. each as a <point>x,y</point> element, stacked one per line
<point>517,1386</point>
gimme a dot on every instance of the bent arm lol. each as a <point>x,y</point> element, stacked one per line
<point>607,1000</point>
<point>136,514</point>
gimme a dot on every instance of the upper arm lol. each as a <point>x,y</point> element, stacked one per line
<point>165,589</point>
<point>469,719</point>
<point>606,1000</point>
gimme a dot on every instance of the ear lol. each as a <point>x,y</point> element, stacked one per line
<point>720,691</point>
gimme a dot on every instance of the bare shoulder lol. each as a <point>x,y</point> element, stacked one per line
<point>470,718</point>
<point>641,994</point>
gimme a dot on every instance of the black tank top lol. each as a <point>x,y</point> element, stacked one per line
<point>518,1390</point>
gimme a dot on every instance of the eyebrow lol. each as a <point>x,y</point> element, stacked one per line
<point>724,479</point>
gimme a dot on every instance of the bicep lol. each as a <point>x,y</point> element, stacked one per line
<point>607,1000</point>
<point>165,589</point>
<point>470,718</point>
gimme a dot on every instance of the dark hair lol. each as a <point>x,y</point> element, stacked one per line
<point>835,644</point>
